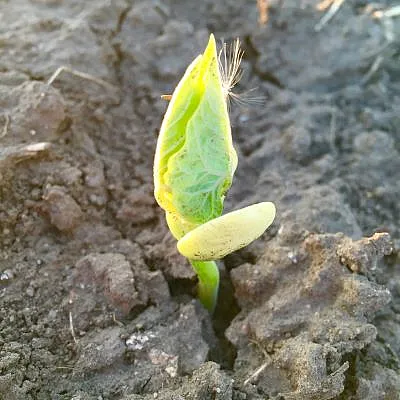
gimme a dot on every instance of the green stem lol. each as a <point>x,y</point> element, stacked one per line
<point>208,274</point>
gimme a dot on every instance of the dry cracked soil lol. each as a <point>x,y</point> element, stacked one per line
<point>95,301</point>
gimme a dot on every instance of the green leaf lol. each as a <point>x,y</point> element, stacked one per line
<point>195,159</point>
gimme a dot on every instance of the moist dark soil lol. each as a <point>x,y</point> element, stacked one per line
<point>96,302</point>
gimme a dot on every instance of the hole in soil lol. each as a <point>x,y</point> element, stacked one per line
<point>351,381</point>
<point>226,310</point>
<point>223,353</point>
<point>181,288</point>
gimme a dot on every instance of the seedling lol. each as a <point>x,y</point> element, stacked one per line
<point>194,166</point>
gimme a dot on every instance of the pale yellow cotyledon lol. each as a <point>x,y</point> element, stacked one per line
<point>223,235</point>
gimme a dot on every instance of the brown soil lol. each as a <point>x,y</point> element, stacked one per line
<point>95,301</point>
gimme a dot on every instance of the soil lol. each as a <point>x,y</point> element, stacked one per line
<point>95,301</point>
